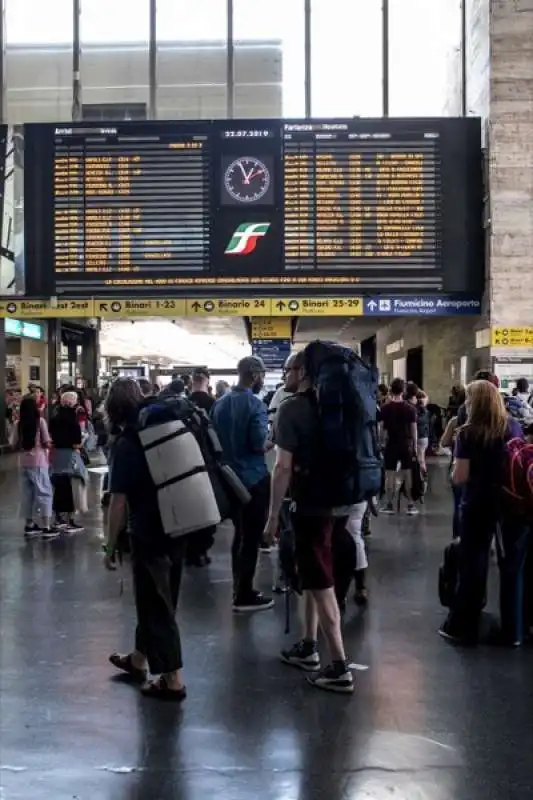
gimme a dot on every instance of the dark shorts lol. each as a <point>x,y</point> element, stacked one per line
<point>313,550</point>
<point>394,456</point>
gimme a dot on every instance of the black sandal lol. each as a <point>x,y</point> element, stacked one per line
<point>125,664</point>
<point>160,690</point>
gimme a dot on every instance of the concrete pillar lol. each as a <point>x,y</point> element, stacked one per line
<point>511,167</point>
<point>89,357</point>
<point>54,353</point>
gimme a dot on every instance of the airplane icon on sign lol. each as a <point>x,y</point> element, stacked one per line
<point>385,305</point>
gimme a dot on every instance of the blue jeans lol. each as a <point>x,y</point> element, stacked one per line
<point>511,546</point>
<point>36,491</point>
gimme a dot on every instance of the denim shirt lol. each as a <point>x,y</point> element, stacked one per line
<point>241,422</point>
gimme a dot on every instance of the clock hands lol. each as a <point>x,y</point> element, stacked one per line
<point>249,175</point>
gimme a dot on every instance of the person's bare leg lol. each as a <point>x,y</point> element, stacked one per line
<point>408,484</point>
<point>139,660</point>
<point>390,486</point>
<point>330,622</point>
<point>310,621</point>
<point>174,680</point>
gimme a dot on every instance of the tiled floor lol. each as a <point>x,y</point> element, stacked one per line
<point>427,721</point>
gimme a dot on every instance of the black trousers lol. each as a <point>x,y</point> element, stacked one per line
<point>63,502</point>
<point>200,542</point>
<point>249,525</point>
<point>157,579</point>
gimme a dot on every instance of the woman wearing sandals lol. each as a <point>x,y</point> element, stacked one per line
<point>157,560</point>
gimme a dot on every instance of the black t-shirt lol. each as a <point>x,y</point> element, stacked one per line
<point>202,400</point>
<point>65,430</point>
<point>129,475</point>
<point>295,430</point>
<point>397,419</point>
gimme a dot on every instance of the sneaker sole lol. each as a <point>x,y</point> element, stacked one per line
<point>50,536</point>
<point>332,687</point>
<point>301,665</point>
<point>388,513</point>
<point>252,609</point>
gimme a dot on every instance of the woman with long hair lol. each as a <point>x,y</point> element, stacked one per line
<point>30,436</point>
<point>157,559</point>
<point>478,469</point>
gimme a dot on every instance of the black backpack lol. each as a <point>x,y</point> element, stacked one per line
<point>346,465</point>
<point>449,574</point>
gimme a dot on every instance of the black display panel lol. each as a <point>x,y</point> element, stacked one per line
<point>255,206</point>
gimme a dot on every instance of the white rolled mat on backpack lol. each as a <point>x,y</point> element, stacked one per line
<point>185,494</point>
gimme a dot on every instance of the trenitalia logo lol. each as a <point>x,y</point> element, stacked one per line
<point>244,240</point>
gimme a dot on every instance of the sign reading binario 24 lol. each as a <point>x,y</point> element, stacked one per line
<point>422,305</point>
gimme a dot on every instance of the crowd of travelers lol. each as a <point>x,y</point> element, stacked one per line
<point>326,549</point>
<point>53,442</point>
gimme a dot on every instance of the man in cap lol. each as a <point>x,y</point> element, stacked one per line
<point>240,419</point>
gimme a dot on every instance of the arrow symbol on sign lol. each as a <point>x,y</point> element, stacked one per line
<point>372,305</point>
<point>103,307</point>
<point>280,305</point>
<point>196,306</point>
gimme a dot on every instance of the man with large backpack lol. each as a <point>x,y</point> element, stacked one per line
<point>326,452</point>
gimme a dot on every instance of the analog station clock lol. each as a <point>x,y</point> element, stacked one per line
<point>247,179</point>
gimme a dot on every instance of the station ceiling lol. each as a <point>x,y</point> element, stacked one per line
<point>218,341</point>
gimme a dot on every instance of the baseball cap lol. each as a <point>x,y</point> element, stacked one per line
<point>251,364</point>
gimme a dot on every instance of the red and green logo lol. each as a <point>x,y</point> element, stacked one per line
<point>245,238</point>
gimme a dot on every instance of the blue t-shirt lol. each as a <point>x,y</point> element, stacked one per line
<point>486,465</point>
<point>241,422</point>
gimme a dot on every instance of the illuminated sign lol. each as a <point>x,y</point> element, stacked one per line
<point>28,330</point>
<point>366,206</point>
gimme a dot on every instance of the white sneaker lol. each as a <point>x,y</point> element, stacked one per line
<point>412,510</point>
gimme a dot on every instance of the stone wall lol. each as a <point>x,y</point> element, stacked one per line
<point>444,343</point>
<point>511,163</point>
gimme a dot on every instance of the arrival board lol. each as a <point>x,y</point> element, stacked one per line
<point>356,205</point>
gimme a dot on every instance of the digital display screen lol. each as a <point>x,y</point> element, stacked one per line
<point>124,205</point>
<point>353,200</point>
<point>369,205</point>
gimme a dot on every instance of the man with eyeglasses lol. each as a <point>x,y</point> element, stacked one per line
<point>281,394</point>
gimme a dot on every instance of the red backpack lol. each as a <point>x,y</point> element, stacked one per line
<point>518,476</point>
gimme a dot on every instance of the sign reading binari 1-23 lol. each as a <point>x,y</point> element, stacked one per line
<point>388,205</point>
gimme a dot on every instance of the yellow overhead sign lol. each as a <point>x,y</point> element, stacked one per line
<point>271,328</point>
<point>317,307</point>
<point>512,337</point>
<point>35,309</point>
<point>228,307</point>
<point>124,309</point>
<point>261,309</point>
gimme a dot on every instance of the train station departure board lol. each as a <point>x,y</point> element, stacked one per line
<point>254,206</point>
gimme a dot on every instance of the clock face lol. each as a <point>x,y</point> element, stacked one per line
<point>247,179</point>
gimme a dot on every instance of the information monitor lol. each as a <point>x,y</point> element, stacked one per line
<point>250,207</point>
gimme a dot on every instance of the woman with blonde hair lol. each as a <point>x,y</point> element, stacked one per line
<point>478,469</point>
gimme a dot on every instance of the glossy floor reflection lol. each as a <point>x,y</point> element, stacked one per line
<point>427,722</point>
